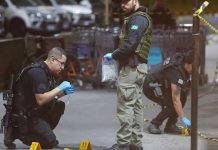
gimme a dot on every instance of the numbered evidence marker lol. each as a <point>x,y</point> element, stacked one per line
<point>185,131</point>
<point>35,146</point>
<point>85,145</point>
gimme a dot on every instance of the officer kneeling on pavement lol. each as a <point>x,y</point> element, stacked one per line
<point>168,86</point>
<point>36,107</point>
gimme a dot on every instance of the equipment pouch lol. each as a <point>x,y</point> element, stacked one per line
<point>23,125</point>
<point>157,89</point>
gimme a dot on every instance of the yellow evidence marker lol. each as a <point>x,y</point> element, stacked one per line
<point>185,131</point>
<point>85,145</point>
<point>35,146</point>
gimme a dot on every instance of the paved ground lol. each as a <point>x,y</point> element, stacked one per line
<point>90,114</point>
<point>93,118</point>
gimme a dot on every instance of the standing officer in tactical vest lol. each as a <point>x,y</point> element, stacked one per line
<point>169,87</point>
<point>36,110</point>
<point>132,56</point>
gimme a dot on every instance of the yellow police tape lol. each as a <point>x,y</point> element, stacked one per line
<point>199,11</point>
<point>187,132</point>
<point>207,137</point>
<point>150,105</point>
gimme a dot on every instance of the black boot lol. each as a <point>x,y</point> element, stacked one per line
<point>135,147</point>
<point>173,129</point>
<point>118,147</point>
<point>154,129</point>
<point>9,138</point>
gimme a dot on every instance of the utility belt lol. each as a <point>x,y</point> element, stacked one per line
<point>149,78</point>
<point>133,61</point>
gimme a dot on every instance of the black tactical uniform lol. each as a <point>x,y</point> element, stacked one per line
<point>35,123</point>
<point>157,87</point>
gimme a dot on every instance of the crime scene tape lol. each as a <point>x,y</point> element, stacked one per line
<point>199,11</point>
<point>150,105</point>
<point>207,137</point>
<point>187,132</point>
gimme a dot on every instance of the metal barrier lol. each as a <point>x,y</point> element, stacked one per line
<point>89,45</point>
<point>12,54</point>
<point>179,40</point>
<point>37,47</point>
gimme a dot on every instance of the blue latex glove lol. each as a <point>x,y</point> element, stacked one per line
<point>69,90</point>
<point>186,121</point>
<point>108,56</point>
<point>64,86</point>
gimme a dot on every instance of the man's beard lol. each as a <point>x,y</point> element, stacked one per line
<point>129,12</point>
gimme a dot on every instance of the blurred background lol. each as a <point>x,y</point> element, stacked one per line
<point>88,29</point>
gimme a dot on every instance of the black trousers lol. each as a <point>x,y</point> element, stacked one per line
<point>40,128</point>
<point>168,110</point>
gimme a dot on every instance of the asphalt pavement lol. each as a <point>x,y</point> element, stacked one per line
<point>91,114</point>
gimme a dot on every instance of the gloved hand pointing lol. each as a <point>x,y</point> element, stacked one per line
<point>64,86</point>
<point>108,56</point>
<point>186,121</point>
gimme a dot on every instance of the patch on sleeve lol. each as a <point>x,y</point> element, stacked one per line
<point>134,27</point>
<point>180,81</point>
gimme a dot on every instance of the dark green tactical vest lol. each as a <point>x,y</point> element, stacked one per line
<point>142,49</point>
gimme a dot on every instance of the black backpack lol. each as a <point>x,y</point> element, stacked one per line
<point>11,118</point>
<point>176,60</point>
<point>153,78</point>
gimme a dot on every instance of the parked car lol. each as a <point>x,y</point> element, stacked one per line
<point>22,17</point>
<point>65,16</point>
<point>98,7</point>
<point>82,15</point>
<point>2,22</point>
<point>86,3</point>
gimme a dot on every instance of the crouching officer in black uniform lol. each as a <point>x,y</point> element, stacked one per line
<point>35,106</point>
<point>169,88</point>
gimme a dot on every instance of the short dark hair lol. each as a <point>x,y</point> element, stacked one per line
<point>57,52</point>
